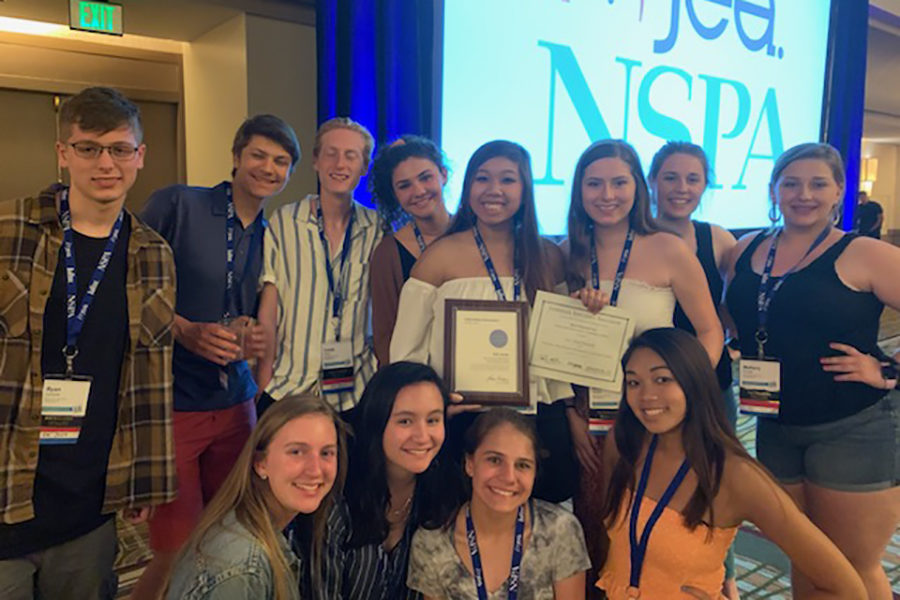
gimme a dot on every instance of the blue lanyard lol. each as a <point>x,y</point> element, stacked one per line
<point>75,320</point>
<point>620,270</point>
<point>231,302</point>
<point>768,288</point>
<point>419,238</point>
<point>492,272</point>
<point>512,591</point>
<point>337,291</point>
<point>639,548</point>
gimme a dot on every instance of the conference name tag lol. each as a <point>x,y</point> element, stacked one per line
<point>760,383</point>
<point>601,399</point>
<point>63,406</point>
<point>337,367</point>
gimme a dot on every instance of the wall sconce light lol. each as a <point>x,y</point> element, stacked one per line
<point>868,173</point>
<point>868,170</point>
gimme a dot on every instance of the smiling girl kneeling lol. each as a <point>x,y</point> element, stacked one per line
<point>680,484</point>
<point>502,544</point>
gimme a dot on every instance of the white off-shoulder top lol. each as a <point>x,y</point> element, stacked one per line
<point>650,305</point>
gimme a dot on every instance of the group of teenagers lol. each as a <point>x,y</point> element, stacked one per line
<point>289,450</point>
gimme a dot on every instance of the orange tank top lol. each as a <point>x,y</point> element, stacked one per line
<point>676,556</point>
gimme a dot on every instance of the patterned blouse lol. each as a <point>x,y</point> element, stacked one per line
<point>555,551</point>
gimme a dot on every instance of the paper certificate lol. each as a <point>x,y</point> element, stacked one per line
<point>568,343</point>
<point>484,355</point>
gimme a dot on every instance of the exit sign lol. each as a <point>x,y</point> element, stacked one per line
<point>98,17</point>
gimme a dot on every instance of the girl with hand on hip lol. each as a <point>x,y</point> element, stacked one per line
<point>807,300</point>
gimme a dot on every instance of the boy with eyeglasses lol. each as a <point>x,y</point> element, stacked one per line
<point>216,235</point>
<point>86,310</point>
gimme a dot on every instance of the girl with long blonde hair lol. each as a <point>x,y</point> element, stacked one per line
<point>293,464</point>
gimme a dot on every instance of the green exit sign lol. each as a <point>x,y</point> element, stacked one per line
<point>99,17</point>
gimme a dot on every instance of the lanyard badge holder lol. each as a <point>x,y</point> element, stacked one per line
<point>760,381</point>
<point>420,240</point>
<point>501,296</point>
<point>515,568</point>
<point>604,404</point>
<point>337,355</point>
<point>64,398</point>
<point>760,376</point>
<point>232,318</point>
<point>638,544</point>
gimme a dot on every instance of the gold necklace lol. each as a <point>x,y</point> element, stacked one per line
<point>403,511</point>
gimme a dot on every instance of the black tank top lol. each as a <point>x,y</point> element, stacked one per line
<point>812,309</point>
<point>407,260</point>
<point>707,258</point>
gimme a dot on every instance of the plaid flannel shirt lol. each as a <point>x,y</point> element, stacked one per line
<point>141,467</point>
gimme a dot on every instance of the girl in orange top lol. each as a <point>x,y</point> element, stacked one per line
<point>680,484</point>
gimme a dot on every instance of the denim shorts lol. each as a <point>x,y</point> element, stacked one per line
<point>858,453</point>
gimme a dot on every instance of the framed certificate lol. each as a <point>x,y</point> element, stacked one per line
<point>569,343</point>
<point>485,349</point>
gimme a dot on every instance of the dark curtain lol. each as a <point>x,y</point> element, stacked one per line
<point>377,65</point>
<point>845,91</point>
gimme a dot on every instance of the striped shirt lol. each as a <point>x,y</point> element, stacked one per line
<point>294,262</point>
<point>365,573</point>
<point>141,467</point>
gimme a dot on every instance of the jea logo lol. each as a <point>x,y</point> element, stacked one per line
<point>741,9</point>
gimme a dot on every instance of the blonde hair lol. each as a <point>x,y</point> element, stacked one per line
<point>826,153</point>
<point>346,123</point>
<point>249,496</point>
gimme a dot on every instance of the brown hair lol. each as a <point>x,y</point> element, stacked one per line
<point>580,223</point>
<point>706,434</point>
<point>678,147</point>
<point>270,127</point>
<point>99,109</point>
<point>494,418</point>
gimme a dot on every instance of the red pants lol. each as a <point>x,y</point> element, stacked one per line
<point>207,444</point>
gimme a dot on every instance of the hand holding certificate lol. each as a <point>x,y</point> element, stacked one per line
<point>569,343</point>
<point>485,348</point>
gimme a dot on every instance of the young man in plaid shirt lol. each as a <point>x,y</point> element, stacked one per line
<point>86,308</point>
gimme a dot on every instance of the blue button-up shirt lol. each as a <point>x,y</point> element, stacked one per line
<point>193,221</point>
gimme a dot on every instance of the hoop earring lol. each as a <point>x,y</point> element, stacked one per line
<point>774,213</point>
<point>836,212</point>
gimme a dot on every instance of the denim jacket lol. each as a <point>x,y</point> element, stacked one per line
<point>230,565</point>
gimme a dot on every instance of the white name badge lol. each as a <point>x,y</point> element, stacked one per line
<point>337,367</point>
<point>760,383</point>
<point>63,406</point>
<point>602,399</point>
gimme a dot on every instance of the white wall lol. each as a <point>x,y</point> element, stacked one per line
<point>281,80</point>
<point>215,100</point>
<point>886,188</point>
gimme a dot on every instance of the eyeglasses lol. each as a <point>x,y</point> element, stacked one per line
<point>91,150</point>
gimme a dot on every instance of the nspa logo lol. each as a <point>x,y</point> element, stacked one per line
<point>748,117</point>
<point>743,79</point>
